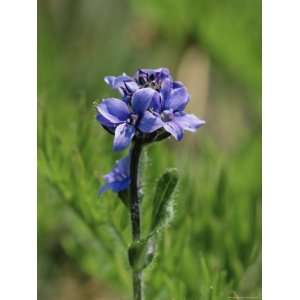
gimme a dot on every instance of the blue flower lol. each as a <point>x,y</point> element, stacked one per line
<point>168,111</point>
<point>116,114</point>
<point>118,179</point>
<point>150,100</point>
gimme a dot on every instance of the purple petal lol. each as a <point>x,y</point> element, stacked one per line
<point>124,84</point>
<point>103,121</point>
<point>126,99</point>
<point>150,71</point>
<point>177,99</point>
<point>141,99</point>
<point>166,88</point>
<point>110,177</point>
<point>118,186</point>
<point>174,129</point>
<point>156,102</point>
<point>131,86</point>
<point>163,73</point>
<point>116,81</point>
<point>123,165</point>
<point>110,80</point>
<point>123,136</point>
<point>150,122</point>
<point>188,122</point>
<point>118,178</point>
<point>177,84</point>
<point>113,110</point>
<point>115,186</point>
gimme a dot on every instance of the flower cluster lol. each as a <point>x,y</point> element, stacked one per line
<point>151,102</point>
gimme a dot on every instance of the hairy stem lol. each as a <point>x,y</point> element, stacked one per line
<point>135,211</point>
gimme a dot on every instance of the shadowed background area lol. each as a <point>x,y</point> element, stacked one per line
<point>212,249</point>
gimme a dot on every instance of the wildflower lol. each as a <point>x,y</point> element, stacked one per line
<point>118,179</point>
<point>150,100</point>
<point>151,108</point>
<point>124,119</point>
<point>168,111</point>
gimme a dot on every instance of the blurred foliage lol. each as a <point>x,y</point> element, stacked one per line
<point>230,30</point>
<point>212,248</point>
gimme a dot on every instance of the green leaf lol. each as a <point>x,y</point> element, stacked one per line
<point>162,199</point>
<point>141,253</point>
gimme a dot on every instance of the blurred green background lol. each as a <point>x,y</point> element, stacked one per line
<point>212,249</point>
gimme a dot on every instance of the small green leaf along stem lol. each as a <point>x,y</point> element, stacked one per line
<point>136,151</point>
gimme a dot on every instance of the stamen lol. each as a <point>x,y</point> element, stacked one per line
<point>167,115</point>
<point>133,119</point>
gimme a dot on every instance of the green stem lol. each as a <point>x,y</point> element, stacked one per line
<point>135,212</point>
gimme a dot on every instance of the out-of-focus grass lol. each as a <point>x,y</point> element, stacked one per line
<point>212,248</point>
<point>231,30</point>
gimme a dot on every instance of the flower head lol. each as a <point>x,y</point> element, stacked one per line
<point>123,119</point>
<point>118,179</point>
<point>168,111</point>
<point>151,100</point>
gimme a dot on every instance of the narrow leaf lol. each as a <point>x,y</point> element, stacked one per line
<point>162,199</point>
